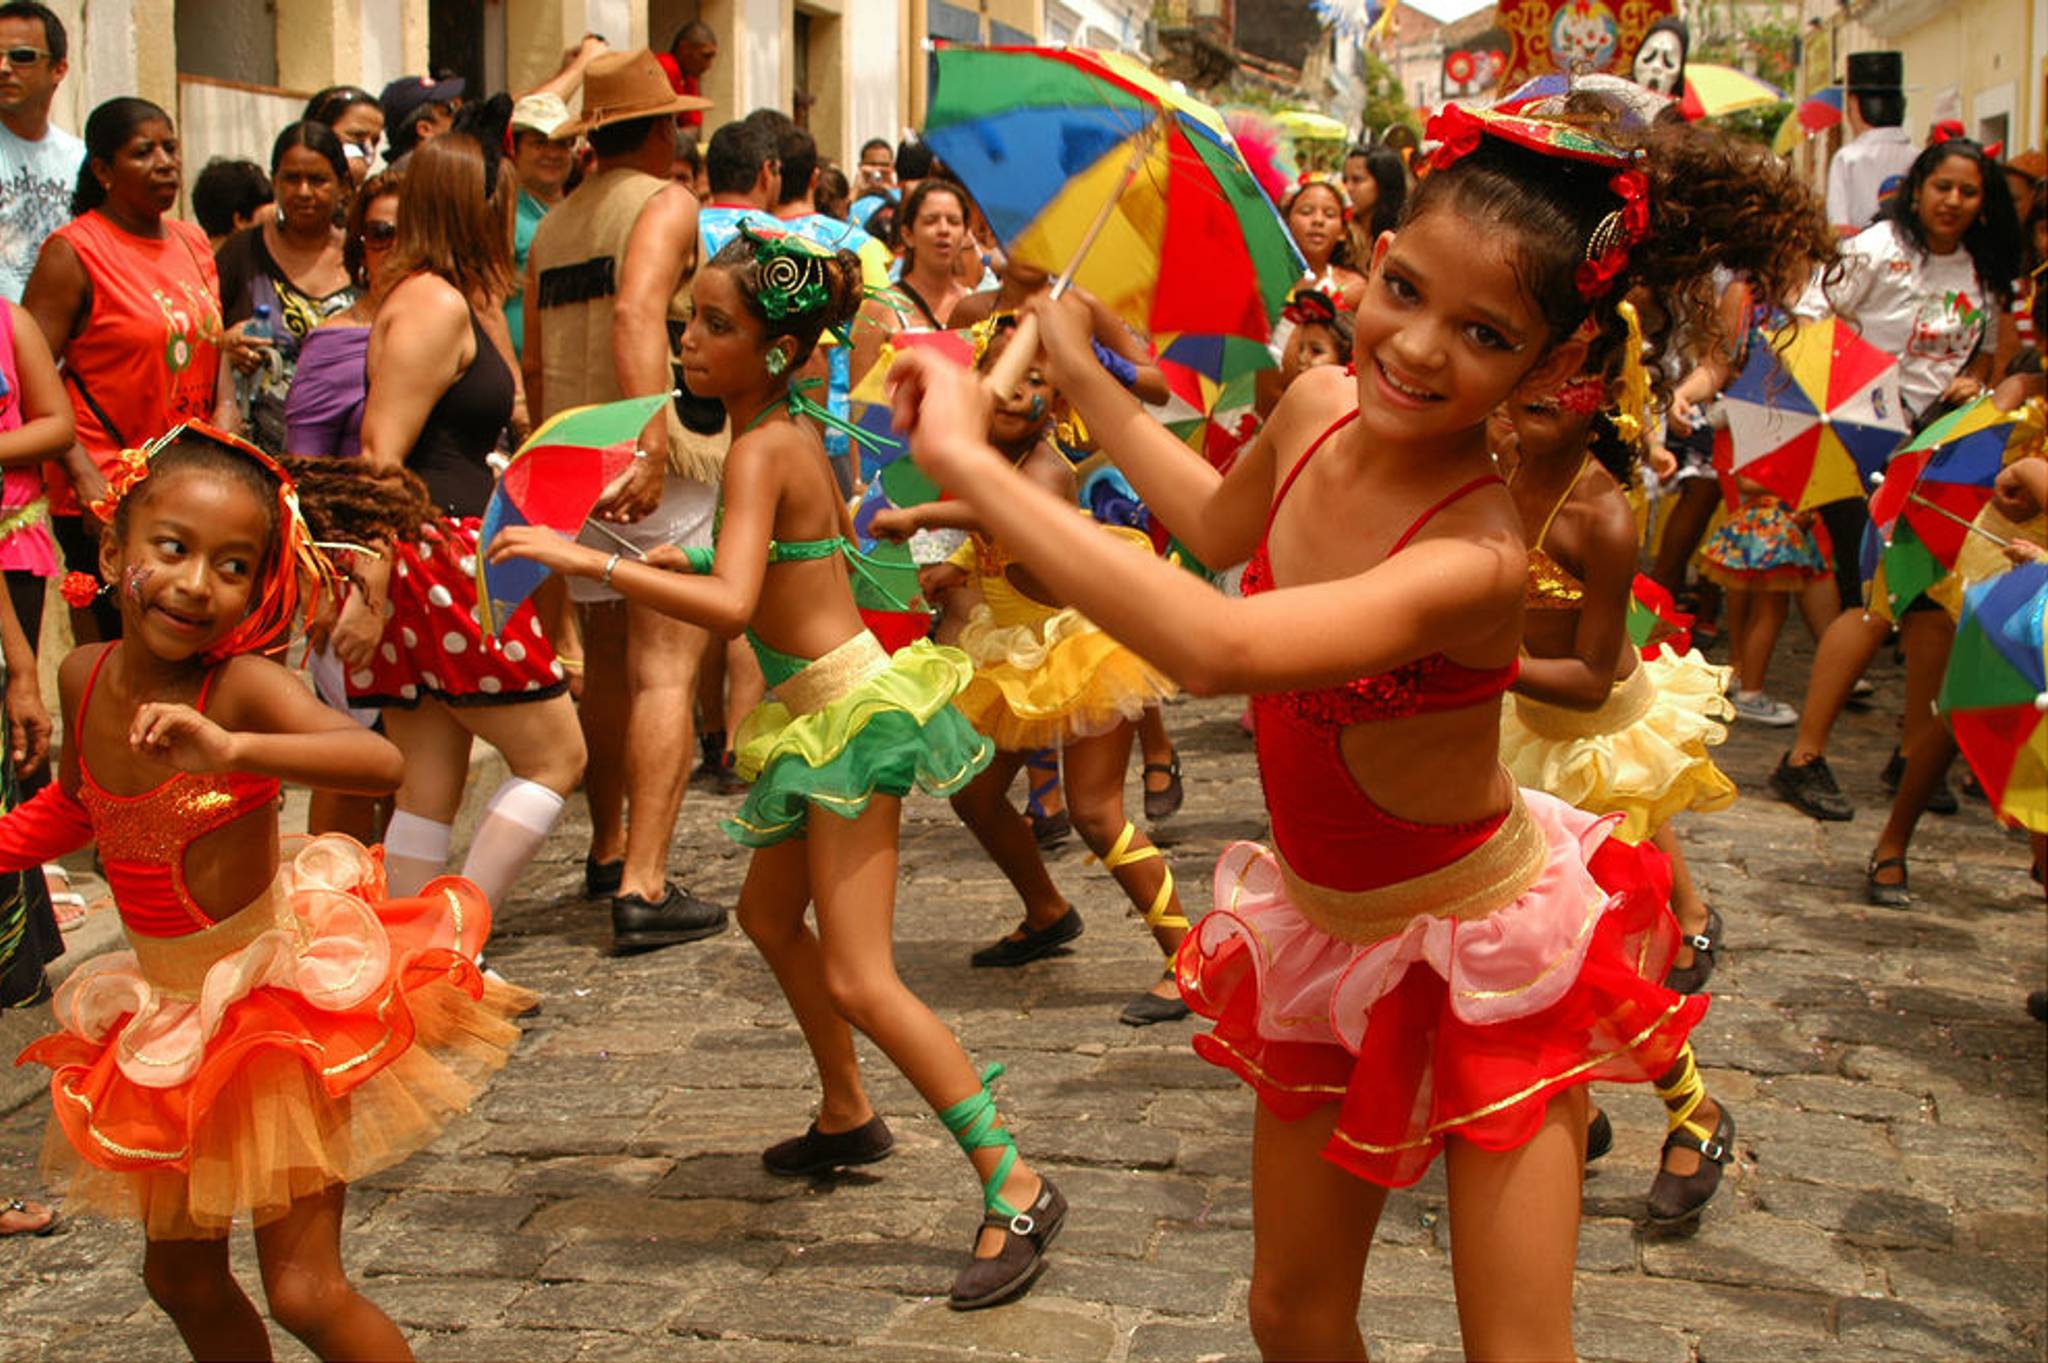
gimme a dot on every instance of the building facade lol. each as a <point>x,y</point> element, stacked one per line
<point>234,72</point>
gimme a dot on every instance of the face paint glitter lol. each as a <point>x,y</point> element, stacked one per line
<point>137,579</point>
<point>1037,409</point>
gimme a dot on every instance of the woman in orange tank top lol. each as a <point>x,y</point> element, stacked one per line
<point>129,301</point>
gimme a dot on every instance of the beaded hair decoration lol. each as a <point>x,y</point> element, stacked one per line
<point>302,574</point>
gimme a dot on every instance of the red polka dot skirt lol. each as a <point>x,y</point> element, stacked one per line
<point>432,645</point>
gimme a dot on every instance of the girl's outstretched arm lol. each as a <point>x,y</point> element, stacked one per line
<point>1217,517</point>
<point>1442,595</point>
<point>273,726</point>
<point>1582,679</point>
<point>722,600</point>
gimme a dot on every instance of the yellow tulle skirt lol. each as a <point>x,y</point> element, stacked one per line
<point>1036,685</point>
<point>1642,755</point>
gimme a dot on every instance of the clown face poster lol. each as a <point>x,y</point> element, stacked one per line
<point>1568,37</point>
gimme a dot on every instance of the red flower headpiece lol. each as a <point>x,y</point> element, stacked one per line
<point>1310,306</point>
<point>1584,395</point>
<point>1458,131</point>
<point>277,601</point>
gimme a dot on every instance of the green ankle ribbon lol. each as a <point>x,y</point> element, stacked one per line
<point>972,1121</point>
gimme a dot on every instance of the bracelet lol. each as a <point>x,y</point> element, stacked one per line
<point>605,578</point>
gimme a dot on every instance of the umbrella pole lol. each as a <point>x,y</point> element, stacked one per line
<point>1024,343</point>
<point>1971,526</point>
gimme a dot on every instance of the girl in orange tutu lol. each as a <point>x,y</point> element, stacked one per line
<point>1429,959</point>
<point>273,1031</point>
<point>1046,677</point>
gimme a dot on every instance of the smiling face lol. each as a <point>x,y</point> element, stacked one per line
<point>142,177</point>
<point>306,190</point>
<point>1445,332</point>
<point>186,567</point>
<point>1948,203</point>
<point>724,348</point>
<point>1310,346</point>
<point>541,163</point>
<point>1316,218</point>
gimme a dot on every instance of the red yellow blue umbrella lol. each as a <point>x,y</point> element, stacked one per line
<point>1813,414</point>
<point>1996,693</point>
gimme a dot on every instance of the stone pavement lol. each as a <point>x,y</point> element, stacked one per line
<point>605,1201</point>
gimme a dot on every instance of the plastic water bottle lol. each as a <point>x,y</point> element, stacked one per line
<point>248,385</point>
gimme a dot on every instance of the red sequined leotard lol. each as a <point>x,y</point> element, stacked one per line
<point>1328,829</point>
<point>142,838</point>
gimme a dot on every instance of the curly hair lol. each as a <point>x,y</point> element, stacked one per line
<point>1714,201</point>
<point>342,503</point>
<point>742,259</point>
<point>1993,236</point>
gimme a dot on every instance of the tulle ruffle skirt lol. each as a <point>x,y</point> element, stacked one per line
<point>1037,685</point>
<point>319,1035</point>
<point>1642,755</point>
<point>855,724</point>
<point>1463,1021</point>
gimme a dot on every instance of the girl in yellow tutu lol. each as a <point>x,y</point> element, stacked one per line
<point>1592,722</point>
<point>273,1032</point>
<point>1046,676</point>
<point>850,730</point>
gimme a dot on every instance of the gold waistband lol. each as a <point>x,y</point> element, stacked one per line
<point>1628,702</point>
<point>177,966</point>
<point>1491,876</point>
<point>833,675</point>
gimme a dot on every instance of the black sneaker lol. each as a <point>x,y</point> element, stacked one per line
<point>1811,789</point>
<point>818,1152</point>
<point>646,925</point>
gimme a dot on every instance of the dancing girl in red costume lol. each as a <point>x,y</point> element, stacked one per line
<point>274,1031</point>
<point>1429,959</point>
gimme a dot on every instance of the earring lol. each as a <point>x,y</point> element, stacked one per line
<point>778,360</point>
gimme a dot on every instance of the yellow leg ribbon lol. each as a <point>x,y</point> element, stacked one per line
<point>1122,854</point>
<point>1683,1096</point>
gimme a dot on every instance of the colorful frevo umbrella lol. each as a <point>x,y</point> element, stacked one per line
<point>1713,90</point>
<point>1654,622</point>
<point>1087,163</point>
<point>886,463</point>
<point>1814,414</point>
<point>554,479</point>
<point>1996,692</point>
<point>1933,488</point>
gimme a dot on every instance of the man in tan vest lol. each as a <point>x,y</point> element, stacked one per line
<point>608,291</point>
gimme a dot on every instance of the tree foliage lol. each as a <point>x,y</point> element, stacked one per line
<point>1386,103</point>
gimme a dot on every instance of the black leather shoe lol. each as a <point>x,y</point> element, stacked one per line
<point>1161,804</point>
<point>1599,1135</point>
<point>1148,1008</point>
<point>1675,1200</point>
<point>1886,894</point>
<point>819,1152</point>
<point>1691,979</point>
<point>1811,789</point>
<point>987,1282</point>
<point>1036,942</point>
<point>601,879</point>
<point>645,925</point>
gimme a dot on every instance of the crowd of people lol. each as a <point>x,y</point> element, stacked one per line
<point>266,442</point>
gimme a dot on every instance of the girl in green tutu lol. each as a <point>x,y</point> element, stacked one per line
<point>849,731</point>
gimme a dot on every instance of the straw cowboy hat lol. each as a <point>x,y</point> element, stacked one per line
<point>624,85</point>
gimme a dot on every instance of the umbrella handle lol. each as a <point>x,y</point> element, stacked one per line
<point>1009,370</point>
<point>1971,526</point>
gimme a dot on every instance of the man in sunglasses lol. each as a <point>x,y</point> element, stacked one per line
<point>38,161</point>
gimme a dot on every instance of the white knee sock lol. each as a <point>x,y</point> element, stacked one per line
<point>415,851</point>
<point>515,824</point>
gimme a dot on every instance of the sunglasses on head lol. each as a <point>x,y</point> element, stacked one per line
<point>22,56</point>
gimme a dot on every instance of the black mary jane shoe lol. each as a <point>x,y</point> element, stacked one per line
<point>1599,1135</point>
<point>1163,804</point>
<point>1675,1201</point>
<point>992,1281</point>
<point>601,879</point>
<point>819,1152</point>
<point>1692,979</point>
<point>1886,894</point>
<point>1033,944</point>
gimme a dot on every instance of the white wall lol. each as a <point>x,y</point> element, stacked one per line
<point>760,67</point>
<point>383,43</point>
<point>873,58</point>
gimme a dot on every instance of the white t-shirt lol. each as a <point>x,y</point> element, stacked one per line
<point>36,181</point>
<point>1930,311</point>
<point>1857,175</point>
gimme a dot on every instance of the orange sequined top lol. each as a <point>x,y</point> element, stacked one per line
<point>143,838</point>
<point>1551,586</point>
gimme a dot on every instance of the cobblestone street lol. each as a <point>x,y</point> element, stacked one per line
<point>606,1201</point>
